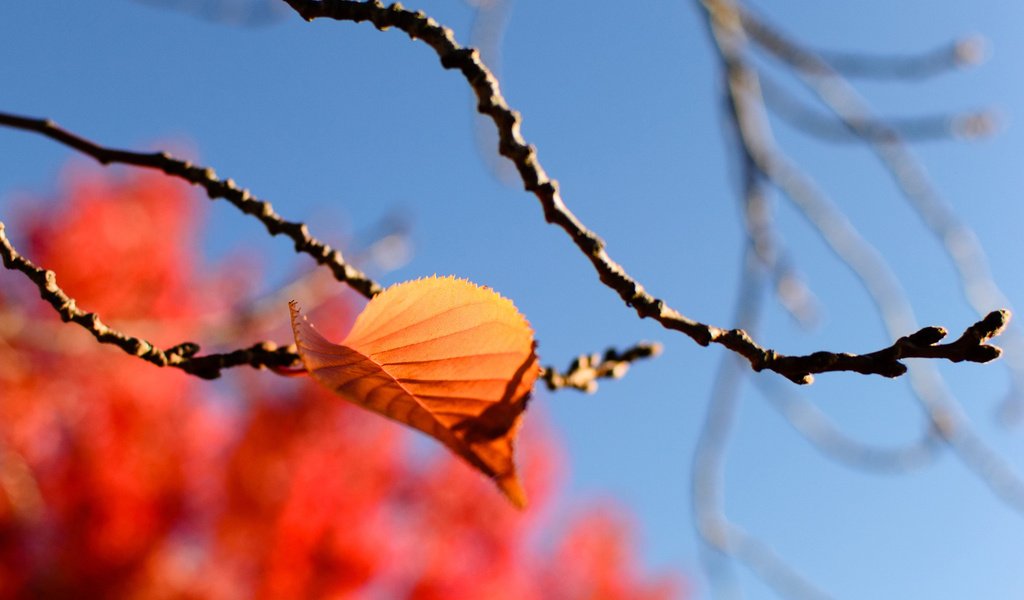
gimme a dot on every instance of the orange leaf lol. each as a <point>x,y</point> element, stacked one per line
<point>443,355</point>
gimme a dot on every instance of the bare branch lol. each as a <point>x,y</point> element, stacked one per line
<point>965,52</point>
<point>707,486</point>
<point>512,145</point>
<point>827,127</point>
<point>764,561</point>
<point>240,13</point>
<point>850,248</point>
<point>490,20</point>
<point>941,407</point>
<point>418,26</point>
<point>958,240</point>
<point>758,224</point>
<point>946,423</point>
<point>957,54</point>
<point>810,422</point>
<point>796,368</point>
<point>206,178</point>
<point>183,356</point>
<point>581,375</point>
<point>586,369</point>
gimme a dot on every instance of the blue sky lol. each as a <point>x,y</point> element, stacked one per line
<point>342,125</point>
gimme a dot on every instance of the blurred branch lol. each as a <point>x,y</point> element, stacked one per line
<point>490,20</point>
<point>758,224</point>
<point>728,541</point>
<point>761,157</point>
<point>755,144</point>
<point>829,128</point>
<point>245,13</point>
<point>765,562</point>
<point>512,145</point>
<point>206,178</point>
<point>958,240</point>
<point>965,52</point>
<point>385,245</point>
<point>795,297</point>
<point>942,409</point>
<point>183,356</point>
<point>807,419</point>
<point>724,537</point>
<point>970,347</point>
<point>586,369</point>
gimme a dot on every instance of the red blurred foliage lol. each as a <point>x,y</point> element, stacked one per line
<point>122,480</point>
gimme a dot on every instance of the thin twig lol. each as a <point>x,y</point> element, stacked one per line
<point>586,369</point>
<point>942,409</point>
<point>958,240</point>
<point>206,178</point>
<point>239,13</point>
<point>182,356</point>
<point>490,20</point>
<point>758,223</point>
<point>823,434</point>
<point>958,54</point>
<point>581,375</point>
<point>829,128</point>
<point>945,421</point>
<point>801,414</point>
<point>714,527</point>
<point>512,145</point>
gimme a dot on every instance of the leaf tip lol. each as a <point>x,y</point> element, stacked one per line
<point>512,489</point>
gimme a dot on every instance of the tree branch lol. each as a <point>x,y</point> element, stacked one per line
<point>418,26</point>
<point>586,369</point>
<point>960,53</point>
<point>828,127</point>
<point>827,438</point>
<point>206,178</point>
<point>581,375</point>
<point>719,533</point>
<point>183,356</point>
<point>958,240</point>
<point>947,419</point>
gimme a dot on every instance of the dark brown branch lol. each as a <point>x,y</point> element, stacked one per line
<point>801,414</point>
<point>758,149</point>
<point>206,178</point>
<point>512,145</point>
<point>586,369</point>
<point>970,346</point>
<point>182,356</point>
<point>581,375</point>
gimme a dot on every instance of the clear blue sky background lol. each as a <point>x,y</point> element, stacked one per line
<point>341,124</point>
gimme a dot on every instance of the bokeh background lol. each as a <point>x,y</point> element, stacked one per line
<point>353,130</point>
